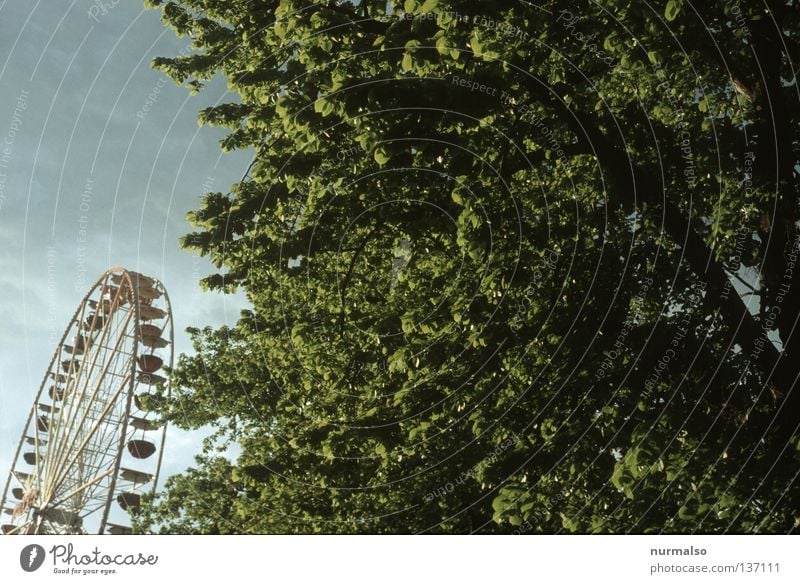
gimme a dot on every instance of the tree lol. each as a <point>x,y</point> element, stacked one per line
<point>526,268</point>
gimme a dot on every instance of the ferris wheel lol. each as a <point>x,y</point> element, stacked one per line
<point>91,444</point>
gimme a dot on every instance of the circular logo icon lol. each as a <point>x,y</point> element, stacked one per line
<point>31,557</point>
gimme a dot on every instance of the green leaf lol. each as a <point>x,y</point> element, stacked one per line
<point>475,44</point>
<point>408,62</point>
<point>443,45</point>
<point>323,106</point>
<point>568,523</point>
<point>381,155</point>
<point>429,6</point>
<point>673,9</point>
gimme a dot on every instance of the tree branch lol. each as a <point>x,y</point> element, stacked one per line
<point>346,282</point>
<point>634,187</point>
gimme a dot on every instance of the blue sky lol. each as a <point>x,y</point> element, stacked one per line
<point>100,159</point>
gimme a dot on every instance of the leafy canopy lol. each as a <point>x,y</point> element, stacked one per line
<point>511,268</point>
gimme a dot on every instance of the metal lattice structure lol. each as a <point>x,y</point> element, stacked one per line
<point>89,440</point>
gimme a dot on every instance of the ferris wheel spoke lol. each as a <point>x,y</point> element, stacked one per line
<point>107,441</point>
<point>80,449</point>
<point>89,473</point>
<point>70,410</point>
<point>100,446</point>
<point>79,415</point>
<point>89,509</point>
<point>101,451</point>
<point>85,374</point>
<point>21,529</point>
<point>82,488</point>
